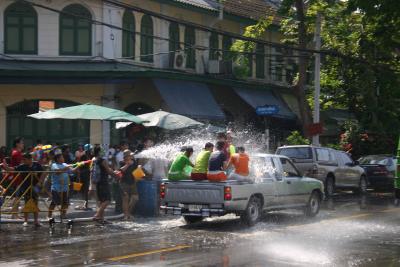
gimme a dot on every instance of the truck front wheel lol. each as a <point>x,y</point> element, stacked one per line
<point>252,213</point>
<point>192,219</point>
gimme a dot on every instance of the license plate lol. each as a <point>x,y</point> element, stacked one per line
<point>195,207</point>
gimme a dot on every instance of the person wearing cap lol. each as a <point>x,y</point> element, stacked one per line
<point>127,184</point>
<point>177,170</point>
<point>199,171</point>
<point>32,177</point>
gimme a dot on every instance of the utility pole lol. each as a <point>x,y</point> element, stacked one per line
<point>317,56</point>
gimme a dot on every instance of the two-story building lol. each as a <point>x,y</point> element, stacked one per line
<point>138,56</point>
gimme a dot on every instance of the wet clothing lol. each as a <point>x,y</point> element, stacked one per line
<point>33,177</point>
<point>201,164</point>
<point>128,189</point>
<point>216,176</point>
<point>59,198</point>
<point>198,176</point>
<point>177,170</point>
<point>127,176</point>
<point>241,163</point>
<point>59,181</point>
<point>102,186</point>
<point>16,158</point>
<point>216,161</point>
<point>103,192</point>
<point>232,150</point>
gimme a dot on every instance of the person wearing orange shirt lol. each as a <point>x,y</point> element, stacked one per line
<point>240,162</point>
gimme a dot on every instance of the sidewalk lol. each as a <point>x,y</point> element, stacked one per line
<point>74,214</point>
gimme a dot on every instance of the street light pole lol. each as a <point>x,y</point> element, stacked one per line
<point>317,37</point>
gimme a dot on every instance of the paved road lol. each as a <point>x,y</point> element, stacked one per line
<point>349,231</point>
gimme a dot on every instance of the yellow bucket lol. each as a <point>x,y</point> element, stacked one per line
<point>138,173</point>
<point>77,186</point>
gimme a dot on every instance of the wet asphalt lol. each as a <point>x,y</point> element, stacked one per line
<point>349,231</point>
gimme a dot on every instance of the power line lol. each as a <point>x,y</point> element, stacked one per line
<point>187,45</point>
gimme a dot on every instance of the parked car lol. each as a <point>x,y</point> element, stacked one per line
<point>380,171</point>
<point>334,168</point>
<point>274,184</point>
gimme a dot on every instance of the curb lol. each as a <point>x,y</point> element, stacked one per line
<point>87,219</point>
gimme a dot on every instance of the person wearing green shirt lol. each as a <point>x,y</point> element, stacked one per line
<point>199,171</point>
<point>177,170</point>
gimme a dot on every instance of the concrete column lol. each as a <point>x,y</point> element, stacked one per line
<point>112,38</point>
<point>108,100</point>
<point>3,122</point>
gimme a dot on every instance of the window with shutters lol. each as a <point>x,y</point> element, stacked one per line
<point>190,41</point>
<point>75,31</point>
<point>20,29</point>
<point>128,35</point>
<point>146,39</point>
<point>214,43</point>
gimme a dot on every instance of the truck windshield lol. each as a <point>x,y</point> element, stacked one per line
<point>295,152</point>
<point>261,167</point>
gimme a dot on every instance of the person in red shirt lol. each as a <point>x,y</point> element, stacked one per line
<point>16,153</point>
<point>16,160</point>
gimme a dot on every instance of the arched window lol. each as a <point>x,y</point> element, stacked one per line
<point>20,29</point>
<point>226,53</point>
<point>128,35</point>
<point>260,62</point>
<point>146,40</point>
<point>174,42</point>
<point>75,31</point>
<point>214,43</point>
<point>190,41</point>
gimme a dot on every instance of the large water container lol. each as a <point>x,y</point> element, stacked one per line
<point>149,200</point>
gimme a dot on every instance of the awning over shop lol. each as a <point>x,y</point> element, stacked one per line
<point>259,98</point>
<point>190,99</point>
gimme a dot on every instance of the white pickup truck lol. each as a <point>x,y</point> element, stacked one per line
<point>274,184</point>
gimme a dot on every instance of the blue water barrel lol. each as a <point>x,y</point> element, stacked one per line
<point>149,200</point>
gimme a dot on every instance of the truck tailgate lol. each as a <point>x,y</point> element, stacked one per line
<point>194,192</point>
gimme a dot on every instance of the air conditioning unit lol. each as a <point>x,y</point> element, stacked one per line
<point>216,67</point>
<point>180,60</point>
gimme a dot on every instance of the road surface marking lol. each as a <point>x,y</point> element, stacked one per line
<point>141,254</point>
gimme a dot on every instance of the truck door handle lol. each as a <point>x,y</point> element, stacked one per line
<point>288,182</point>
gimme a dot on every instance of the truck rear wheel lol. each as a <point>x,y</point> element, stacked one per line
<point>192,219</point>
<point>314,204</point>
<point>252,213</point>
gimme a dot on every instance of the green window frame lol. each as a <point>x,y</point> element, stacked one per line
<point>214,44</point>
<point>75,32</point>
<point>226,53</point>
<point>128,35</point>
<point>20,29</point>
<point>146,40</point>
<point>190,41</point>
<point>174,42</point>
<point>260,62</point>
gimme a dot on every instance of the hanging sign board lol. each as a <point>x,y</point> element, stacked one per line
<point>267,110</point>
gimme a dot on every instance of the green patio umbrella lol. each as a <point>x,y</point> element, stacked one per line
<point>165,120</point>
<point>87,112</point>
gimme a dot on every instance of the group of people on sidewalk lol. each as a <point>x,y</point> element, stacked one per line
<point>25,179</point>
<point>212,163</point>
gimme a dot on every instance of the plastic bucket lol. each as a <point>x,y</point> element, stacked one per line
<point>77,186</point>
